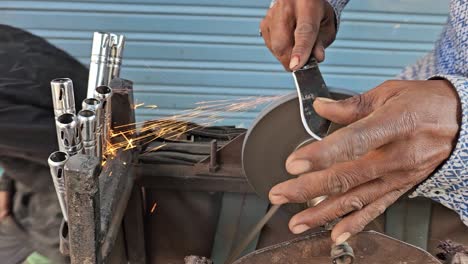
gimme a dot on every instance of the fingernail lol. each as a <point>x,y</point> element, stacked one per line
<point>299,229</point>
<point>278,199</point>
<point>325,100</point>
<point>342,238</point>
<point>294,62</point>
<point>298,166</point>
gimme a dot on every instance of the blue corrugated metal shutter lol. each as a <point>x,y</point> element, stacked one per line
<point>183,51</point>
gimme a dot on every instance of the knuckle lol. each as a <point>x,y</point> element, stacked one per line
<point>362,104</point>
<point>322,219</point>
<point>357,143</point>
<point>278,48</point>
<point>362,222</point>
<point>379,209</point>
<point>352,203</point>
<point>338,182</point>
<point>305,189</point>
<point>412,161</point>
<point>306,29</point>
<point>408,122</point>
<point>302,46</point>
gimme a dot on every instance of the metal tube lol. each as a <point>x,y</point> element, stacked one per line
<point>104,93</point>
<point>98,68</point>
<point>87,120</point>
<point>63,96</point>
<point>115,57</point>
<point>57,162</point>
<point>92,104</point>
<point>69,137</point>
<point>95,105</point>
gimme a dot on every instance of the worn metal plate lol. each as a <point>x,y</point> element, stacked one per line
<point>274,135</point>
<point>369,247</point>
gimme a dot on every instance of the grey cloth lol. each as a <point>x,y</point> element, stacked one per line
<point>33,227</point>
<point>27,137</point>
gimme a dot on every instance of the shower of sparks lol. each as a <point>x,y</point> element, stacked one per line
<point>153,208</point>
<point>205,113</point>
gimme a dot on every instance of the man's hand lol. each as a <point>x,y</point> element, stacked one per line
<point>398,133</point>
<point>293,29</point>
<point>4,204</point>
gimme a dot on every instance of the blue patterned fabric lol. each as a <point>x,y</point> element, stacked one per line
<point>449,60</point>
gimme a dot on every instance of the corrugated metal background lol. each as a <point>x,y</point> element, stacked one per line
<point>183,51</point>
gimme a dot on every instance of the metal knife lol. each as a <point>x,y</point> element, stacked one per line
<point>310,85</point>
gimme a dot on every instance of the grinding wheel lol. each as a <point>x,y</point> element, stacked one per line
<point>274,135</point>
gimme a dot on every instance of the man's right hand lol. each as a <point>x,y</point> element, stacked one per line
<point>295,29</point>
<point>4,205</point>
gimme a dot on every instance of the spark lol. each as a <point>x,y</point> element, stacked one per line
<point>205,113</point>
<point>138,105</point>
<point>151,106</point>
<point>153,208</point>
<point>110,174</point>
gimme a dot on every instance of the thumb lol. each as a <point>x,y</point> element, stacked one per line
<point>346,111</point>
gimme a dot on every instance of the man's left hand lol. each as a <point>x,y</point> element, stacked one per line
<point>397,135</point>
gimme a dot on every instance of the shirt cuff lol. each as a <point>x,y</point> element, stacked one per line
<point>338,6</point>
<point>449,184</point>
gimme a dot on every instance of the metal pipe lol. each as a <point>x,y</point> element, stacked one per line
<point>92,104</point>
<point>115,57</point>
<point>69,137</point>
<point>63,96</point>
<point>104,93</point>
<point>87,120</point>
<point>98,67</point>
<point>57,162</point>
<point>95,105</point>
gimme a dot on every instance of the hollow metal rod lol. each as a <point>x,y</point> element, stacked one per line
<point>98,67</point>
<point>63,97</point>
<point>57,161</point>
<point>117,44</point>
<point>95,105</point>
<point>87,120</point>
<point>69,137</point>
<point>104,93</point>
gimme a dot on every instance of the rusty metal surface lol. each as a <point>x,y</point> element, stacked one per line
<point>193,173</point>
<point>369,247</point>
<point>116,182</point>
<point>117,177</point>
<point>183,178</point>
<point>82,188</point>
<point>134,230</point>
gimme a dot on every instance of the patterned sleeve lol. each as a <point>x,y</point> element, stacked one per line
<point>449,184</point>
<point>338,6</point>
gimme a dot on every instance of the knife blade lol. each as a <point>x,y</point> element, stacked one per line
<point>310,85</point>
